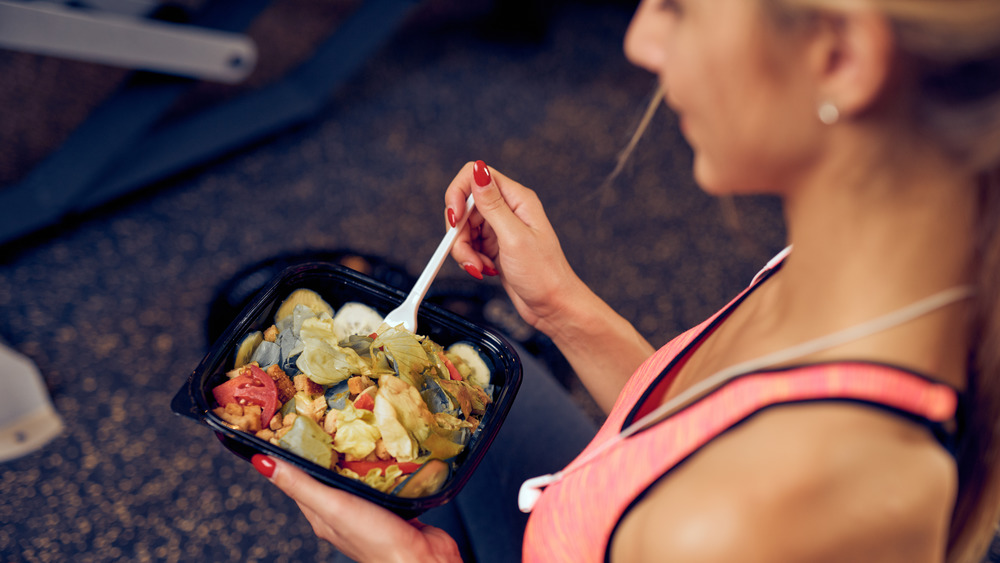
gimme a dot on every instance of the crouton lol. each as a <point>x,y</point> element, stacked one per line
<point>241,417</point>
<point>286,425</point>
<point>276,421</point>
<point>305,385</point>
<point>381,452</point>
<point>286,389</point>
<point>359,383</point>
<point>271,334</point>
<point>316,410</point>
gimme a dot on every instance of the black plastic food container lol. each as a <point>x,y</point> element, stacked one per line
<point>339,285</point>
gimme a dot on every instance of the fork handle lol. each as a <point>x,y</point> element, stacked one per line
<point>437,260</point>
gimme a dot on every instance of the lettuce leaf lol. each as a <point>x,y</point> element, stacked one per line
<point>329,364</point>
<point>357,431</point>
<point>411,410</point>
<point>308,440</point>
<point>375,479</point>
<point>318,328</point>
<point>407,353</point>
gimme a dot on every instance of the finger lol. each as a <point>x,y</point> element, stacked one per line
<point>457,193</point>
<point>466,253</point>
<point>332,503</point>
<point>490,201</point>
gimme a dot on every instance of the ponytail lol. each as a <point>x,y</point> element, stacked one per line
<point>977,508</point>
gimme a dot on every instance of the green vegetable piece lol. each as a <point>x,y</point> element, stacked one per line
<point>306,297</point>
<point>306,439</point>
<point>356,319</point>
<point>398,440</point>
<point>247,347</point>
<point>318,328</point>
<point>356,431</point>
<point>470,361</point>
<point>337,396</point>
<point>382,365</point>
<point>410,408</point>
<point>375,477</point>
<point>425,481</point>
<point>328,364</point>
<point>360,344</point>
<point>406,352</point>
<point>441,447</point>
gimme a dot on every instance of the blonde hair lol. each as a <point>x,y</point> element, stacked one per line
<point>954,46</point>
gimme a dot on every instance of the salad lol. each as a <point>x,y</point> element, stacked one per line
<point>345,391</point>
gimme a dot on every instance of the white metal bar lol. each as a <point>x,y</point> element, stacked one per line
<point>55,30</point>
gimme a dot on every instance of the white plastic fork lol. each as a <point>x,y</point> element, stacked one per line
<point>406,313</point>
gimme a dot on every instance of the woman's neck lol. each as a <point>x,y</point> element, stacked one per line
<point>872,238</point>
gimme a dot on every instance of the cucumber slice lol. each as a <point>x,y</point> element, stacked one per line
<point>355,319</point>
<point>425,481</point>
<point>306,297</point>
<point>474,361</point>
<point>247,347</point>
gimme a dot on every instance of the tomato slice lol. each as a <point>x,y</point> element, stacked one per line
<point>365,401</point>
<point>253,387</point>
<point>452,370</point>
<point>363,467</point>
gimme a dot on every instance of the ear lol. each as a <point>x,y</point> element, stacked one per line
<point>853,60</point>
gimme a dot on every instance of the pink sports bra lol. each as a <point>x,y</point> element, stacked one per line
<point>575,518</point>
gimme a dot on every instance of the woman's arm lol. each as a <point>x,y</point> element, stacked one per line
<point>508,233</point>
<point>603,348</point>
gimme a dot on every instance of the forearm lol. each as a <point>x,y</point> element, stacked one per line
<point>602,347</point>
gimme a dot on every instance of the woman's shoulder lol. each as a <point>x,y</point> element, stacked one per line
<point>818,481</point>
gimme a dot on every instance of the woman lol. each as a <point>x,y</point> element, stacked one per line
<point>876,122</point>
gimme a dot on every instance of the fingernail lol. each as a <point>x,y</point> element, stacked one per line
<point>489,271</point>
<point>473,271</point>
<point>263,464</point>
<point>451,217</point>
<point>481,173</point>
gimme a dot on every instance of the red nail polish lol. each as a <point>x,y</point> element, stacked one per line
<point>481,173</point>
<point>451,217</point>
<point>489,271</point>
<point>263,464</point>
<point>473,271</point>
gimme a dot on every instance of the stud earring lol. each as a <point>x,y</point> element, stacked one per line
<point>828,113</point>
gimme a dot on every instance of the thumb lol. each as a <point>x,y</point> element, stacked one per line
<point>490,200</point>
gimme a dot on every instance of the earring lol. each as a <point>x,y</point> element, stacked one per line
<point>828,113</point>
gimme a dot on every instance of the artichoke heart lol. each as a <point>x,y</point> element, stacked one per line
<point>437,400</point>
